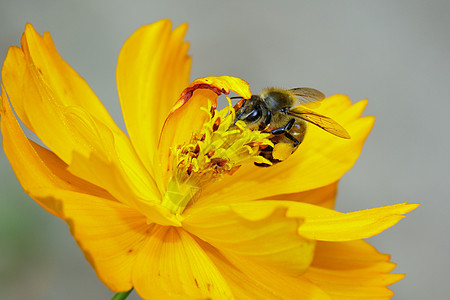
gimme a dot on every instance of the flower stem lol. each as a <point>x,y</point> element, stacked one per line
<point>122,295</point>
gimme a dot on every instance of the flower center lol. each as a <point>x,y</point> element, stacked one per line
<point>219,148</point>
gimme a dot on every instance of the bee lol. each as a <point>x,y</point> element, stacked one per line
<point>282,113</point>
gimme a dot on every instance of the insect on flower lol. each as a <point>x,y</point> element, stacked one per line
<point>281,113</point>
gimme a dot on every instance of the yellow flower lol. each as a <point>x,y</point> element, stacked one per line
<point>177,209</point>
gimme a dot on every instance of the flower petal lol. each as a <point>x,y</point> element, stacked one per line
<point>107,174</point>
<point>47,66</point>
<point>39,83</point>
<point>319,223</point>
<point>110,234</point>
<point>250,280</point>
<point>105,168</point>
<point>329,225</point>
<point>352,270</point>
<point>172,265</point>
<point>323,196</point>
<point>266,234</point>
<point>57,105</point>
<point>350,255</point>
<point>187,115</point>
<point>152,70</point>
<point>35,166</point>
<point>320,160</point>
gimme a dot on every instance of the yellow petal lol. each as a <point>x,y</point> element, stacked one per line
<point>329,225</point>
<point>58,106</point>
<point>172,265</point>
<point>352,270</point>
<point>320,160</point>
<point>323,196</point>
<point>41,112</point>
<point>37,78</point>
<point>123,183</point>
<point>35,166</point>
<point>187,115</point>
<point>106,169</point>
<point>220,85</point>
<point>319,223</point>
<point>51,69</point>
<point>350,255</point>
<point>102,173</point>
<point>259,231</point>
<point>250,280</point>
<point>110,234</point>
<point>152,70</point>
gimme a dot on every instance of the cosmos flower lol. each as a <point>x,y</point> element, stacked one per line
<point>176,209</point>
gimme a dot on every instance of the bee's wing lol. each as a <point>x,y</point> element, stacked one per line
<point>307,97</point>
<point>323,122</point>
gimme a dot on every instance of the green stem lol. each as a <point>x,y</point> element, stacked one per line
<point>121,296</point>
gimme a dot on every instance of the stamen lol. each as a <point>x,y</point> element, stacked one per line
<point>218,149</point>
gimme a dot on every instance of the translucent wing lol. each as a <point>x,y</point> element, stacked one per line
<point>323,122</point>
<point>307,97</point>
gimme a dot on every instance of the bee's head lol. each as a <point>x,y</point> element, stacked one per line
<point>253,112</point>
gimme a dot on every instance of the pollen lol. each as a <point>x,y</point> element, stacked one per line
<point>218,149</point>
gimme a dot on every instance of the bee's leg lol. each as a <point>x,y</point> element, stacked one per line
<point>292,138</point>
<point>285,131</point>
<point>289,124</point>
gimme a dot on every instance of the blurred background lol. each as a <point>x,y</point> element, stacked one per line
<point>395,53</point>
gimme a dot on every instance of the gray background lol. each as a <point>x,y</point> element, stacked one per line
<point>396,53</point>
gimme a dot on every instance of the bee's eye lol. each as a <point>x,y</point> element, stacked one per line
<point>254,115</point>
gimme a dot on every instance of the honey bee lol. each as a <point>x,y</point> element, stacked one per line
<point>283,113</point>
